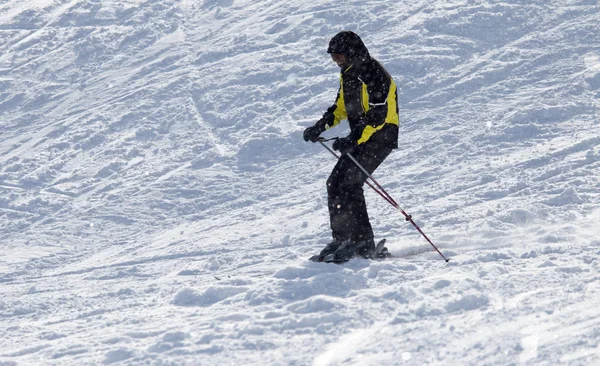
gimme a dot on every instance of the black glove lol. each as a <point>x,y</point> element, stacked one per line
<point>344,144</point>
<point>312,133</point>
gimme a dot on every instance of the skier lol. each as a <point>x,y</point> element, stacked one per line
<point>368,99</point>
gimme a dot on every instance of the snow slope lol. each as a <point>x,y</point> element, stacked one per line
<point>158,204</point>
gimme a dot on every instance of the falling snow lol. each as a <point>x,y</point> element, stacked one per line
<point>158,204</point>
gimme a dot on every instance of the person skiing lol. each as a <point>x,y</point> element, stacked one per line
<point>368,99</point>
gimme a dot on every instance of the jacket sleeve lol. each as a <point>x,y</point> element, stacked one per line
<point>337,112</point>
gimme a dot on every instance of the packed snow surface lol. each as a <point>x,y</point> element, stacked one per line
<point>158,204</point>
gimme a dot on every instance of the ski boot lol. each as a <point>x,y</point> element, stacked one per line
<point>343,254</point>
<point>368,250</point>
<point>349,249</point>
<point>328,250</point>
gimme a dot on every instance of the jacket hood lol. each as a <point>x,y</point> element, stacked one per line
<point>349,44</point>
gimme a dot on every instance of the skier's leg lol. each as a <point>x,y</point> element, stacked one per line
<point>339,217</point>
<point>343,187</point>
<point>370,156</point>
<point>350,209</point>
<point>345,178</point>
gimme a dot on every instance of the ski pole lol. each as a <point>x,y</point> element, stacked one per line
<point>382,192</point>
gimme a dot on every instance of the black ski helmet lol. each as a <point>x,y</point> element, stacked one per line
<point>349,44</point>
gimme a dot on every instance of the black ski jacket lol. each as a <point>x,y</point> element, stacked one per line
<point>367,97</point>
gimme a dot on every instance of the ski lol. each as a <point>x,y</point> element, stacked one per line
<point>315,258</point>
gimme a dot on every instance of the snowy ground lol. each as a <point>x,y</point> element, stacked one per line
<point>158,204</point>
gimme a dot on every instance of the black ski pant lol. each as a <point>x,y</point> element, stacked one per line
<point>346,201</point>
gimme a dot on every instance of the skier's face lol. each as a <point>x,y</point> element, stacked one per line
<point>339,59</point>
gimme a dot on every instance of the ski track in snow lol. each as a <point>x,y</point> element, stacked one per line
<point>158,204</point>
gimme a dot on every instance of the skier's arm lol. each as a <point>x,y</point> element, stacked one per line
<point>337,112</point>
<point>382,108</point>
<point>332,117</point>
<point>378,102</point>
